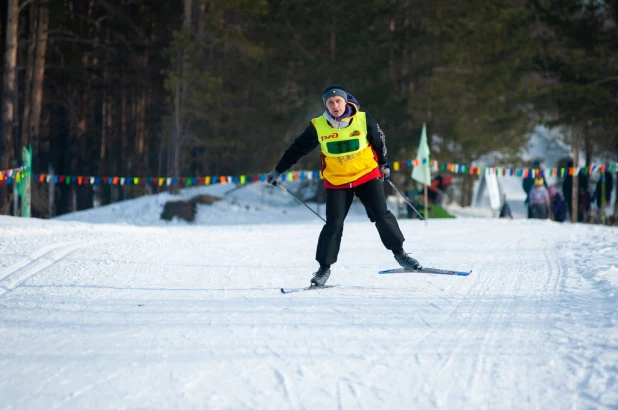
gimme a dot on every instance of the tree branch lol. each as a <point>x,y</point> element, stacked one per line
<point>24,4</point>
<point>122,16</point>
<point>606,80</point>
<point>452,70</point>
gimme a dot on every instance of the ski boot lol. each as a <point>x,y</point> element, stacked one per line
<point>321,276</point>
<point>406,261</point>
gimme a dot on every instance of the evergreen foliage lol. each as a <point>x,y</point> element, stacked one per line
<point>139,88</point>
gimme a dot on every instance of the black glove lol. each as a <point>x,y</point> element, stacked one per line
<point>272,177</point>
<point>386,172</point>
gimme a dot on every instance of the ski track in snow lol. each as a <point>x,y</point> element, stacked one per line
<point>192,317</point>
<point>38,261</point>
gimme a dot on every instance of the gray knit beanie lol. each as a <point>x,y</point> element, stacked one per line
<point>334,90</point>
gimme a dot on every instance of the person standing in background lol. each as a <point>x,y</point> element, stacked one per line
<point>557,205</point>
<point>505,211</point>
<point>567,188</point>
<point>528,183</point>
<point>539,200</point>
<point>605,185</point>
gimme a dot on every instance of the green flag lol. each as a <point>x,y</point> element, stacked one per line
<point>422,172</point>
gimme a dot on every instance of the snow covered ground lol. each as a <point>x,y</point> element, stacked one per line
<point>114,308</point>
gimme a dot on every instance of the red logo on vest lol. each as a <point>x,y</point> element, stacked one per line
<point>327,137</point>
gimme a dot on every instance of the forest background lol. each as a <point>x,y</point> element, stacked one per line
<point>190,88</point>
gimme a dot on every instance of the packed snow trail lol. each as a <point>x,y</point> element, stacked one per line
<point>111,316</point>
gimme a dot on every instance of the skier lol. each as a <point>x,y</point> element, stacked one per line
<point>353,156</point>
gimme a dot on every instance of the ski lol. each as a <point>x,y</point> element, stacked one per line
<point>293,290</point>
<point>426,270</point>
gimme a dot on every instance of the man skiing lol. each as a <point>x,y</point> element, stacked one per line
<point>353,156</point>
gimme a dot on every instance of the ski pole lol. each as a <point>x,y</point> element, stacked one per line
<point>293,196</point>
<point>421,217</point>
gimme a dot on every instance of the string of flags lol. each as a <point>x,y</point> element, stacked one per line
<point>10,175</point>
<point>16,174</point>
<point>504,171</point>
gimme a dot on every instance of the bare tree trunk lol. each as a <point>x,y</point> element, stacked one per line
<point>177,136</point>
<point>575,192</point>
<point>104,130</point>
<point>51,191</point>
<point>189,14</point>
<point>8,97</point>
<point>588,153</point>
<point>103,166</point>
<point>38,75</point>
<point>588,150</point>
<point>124,138</point>
<point>33,21</point>
<point>9,86</point>
<point>201,22</point>
<point>179,100</point>
<point>144,141</point>
<point>467,190</point>
<point>140,126</point>
<point>111,141</point>
<point>161,158</point>
<point>392,47</point>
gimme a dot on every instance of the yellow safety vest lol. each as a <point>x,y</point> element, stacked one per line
<point>347,153</point>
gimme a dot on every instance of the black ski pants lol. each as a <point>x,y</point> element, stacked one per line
<point>338,202</point>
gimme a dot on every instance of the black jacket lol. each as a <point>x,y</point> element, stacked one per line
<point>308,140</point>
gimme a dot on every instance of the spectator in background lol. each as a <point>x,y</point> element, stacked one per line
<point>437,189</point>
<point>613,219</point>
<point>557,205</point>
<point>583,194</point>
<point>609,186</point>
<point>539,200</point>
<point>505,211</point>
<point>584,199</point>
<point>528,183</point>
<point>567,187</point>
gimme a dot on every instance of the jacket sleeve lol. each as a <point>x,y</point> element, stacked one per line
<point>376,138</point>
<point>301,146</point>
